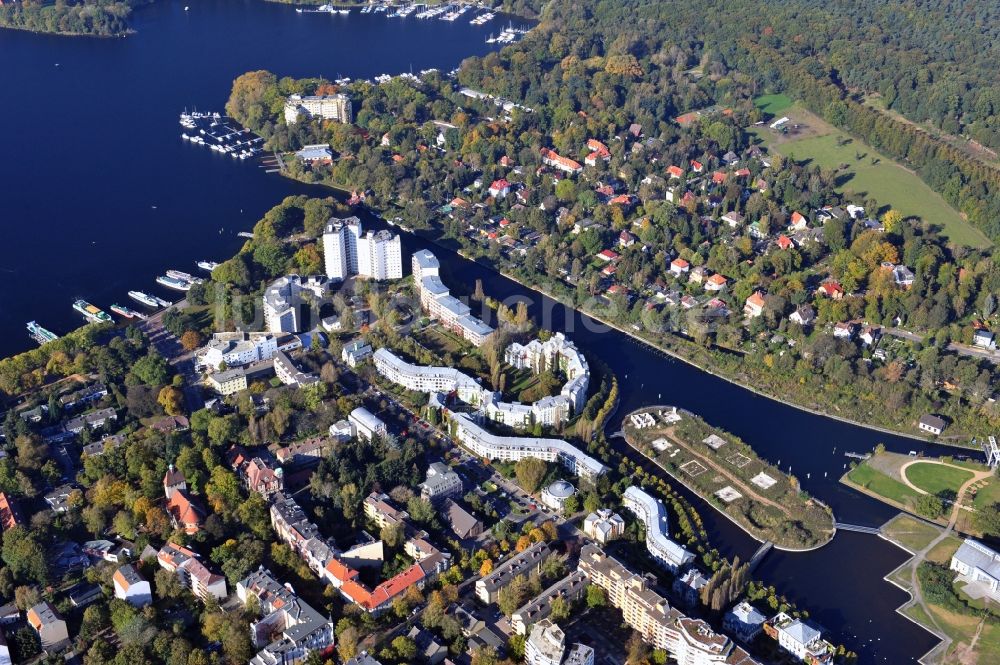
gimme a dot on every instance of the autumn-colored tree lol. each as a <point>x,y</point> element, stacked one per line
<point>486,568</point>
<point>191,340</point>
<point>172,400</point>
<point>523,543</point>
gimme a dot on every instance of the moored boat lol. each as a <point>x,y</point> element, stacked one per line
<point>207,265</point>
<point>92,313</point>
<point>173,283</point>
<point>40,334</point>
<point>144,298</point>
<point>127,312</point>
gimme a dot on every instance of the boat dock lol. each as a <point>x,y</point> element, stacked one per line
<point>860,456</point>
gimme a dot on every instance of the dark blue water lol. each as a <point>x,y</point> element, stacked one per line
<point>92,145</point>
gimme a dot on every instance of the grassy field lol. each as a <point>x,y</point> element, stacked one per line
<point>881,484</point>
<point>988,494</point>
<point>936,478</point>
<point>911,533</point>
<point>773,104</point>
<point>942,552</point>
<point>866,171</point>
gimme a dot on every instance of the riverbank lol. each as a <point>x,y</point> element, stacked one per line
<point>90,18</point>
<point>727,474</point>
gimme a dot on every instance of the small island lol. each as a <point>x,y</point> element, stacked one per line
<point>92,18</point>
<point>728,474</point>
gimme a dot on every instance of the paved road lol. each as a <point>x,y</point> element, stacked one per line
<point>170,348</point>
<point>960,349</point>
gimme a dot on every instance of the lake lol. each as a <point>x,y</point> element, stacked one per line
<point>100,195</point>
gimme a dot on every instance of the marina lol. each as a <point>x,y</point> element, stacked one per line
<point>221,134</point>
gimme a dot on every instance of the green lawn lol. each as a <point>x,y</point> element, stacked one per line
<point>773,104</point>
<point>911,533</point>
<point>872,174</point>
<point>936,478</point>
<point>989,494</point>
<point>881,484</point>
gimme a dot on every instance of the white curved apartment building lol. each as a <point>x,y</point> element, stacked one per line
<point>547,411</point>
<point>429,379</point>
<point>512,448</point>
<point>653,515</point>
<point>556,353</point>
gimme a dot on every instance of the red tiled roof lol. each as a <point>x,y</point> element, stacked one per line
<point>675,171</point>
<point>9,516</point>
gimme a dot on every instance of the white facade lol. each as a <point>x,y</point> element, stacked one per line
<point>429,379</point>
<point>284,297</point>
<point>441,305</point>
<point>555,495</point>
<point>340,247</point>
<point>131,588</point>
<point>511,449</point>
<point>654,516</point>
<point>347,251</point>
<point>236,349</point>
<point>801,640</point>
<point>546,645</point>
<point>556,353</point>
<point>604,525</point>
<point>366,424</point>
<point>380,256</point>
<point>289,628</point>
<point>979,563</point>
<point>328,107</point>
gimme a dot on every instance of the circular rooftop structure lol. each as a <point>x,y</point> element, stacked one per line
<point>555,495</point>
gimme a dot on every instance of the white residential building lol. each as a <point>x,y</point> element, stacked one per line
<point>130,587</point>
<point>558,354</point>
<point>441,305</point>
<point>425,379</point>
<point>340,247</point>
<point>355,352</point>
<point>289,628</point>
<point>688,641</point>
<point>547,646</point>
<point>604,525</point>
<point>653,515</point>
<point>328,107</point>
<point>511,449</point>
<point>547,411</point>
<point>979,564</point>
<point>745,621</point>
<point>284,298</point>
<point>236,349</point>
<point>380,256</point>
<point>441,482</point>
<point>347,251</point>
<point>800,639</point>
<point>366,425</point>
<point>185,564</point>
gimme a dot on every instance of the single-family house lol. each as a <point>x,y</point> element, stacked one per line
<point>798,221</point>
<point>984,339</point>
<point>932,424</point>
<point>804,315</point>
<point>754,305</point>
<point>831,289</point>
<point>499,188</point>
<point>679,266</point>
<point>716,283</point>
<point>845,330</point>
<point>733,219</point>
<point>51,629</point>
<point>131,587</point>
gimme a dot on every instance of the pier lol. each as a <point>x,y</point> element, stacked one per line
<point>860,456</point>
